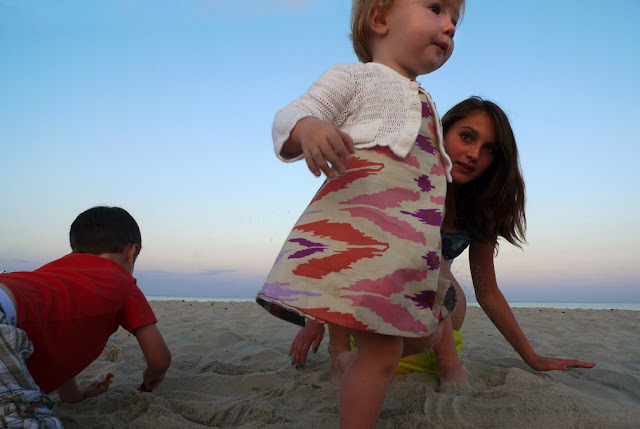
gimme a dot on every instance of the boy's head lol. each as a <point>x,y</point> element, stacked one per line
<point>361,11</point>
<point>104,229</point>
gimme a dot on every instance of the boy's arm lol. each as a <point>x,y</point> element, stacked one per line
<point>155,352</point>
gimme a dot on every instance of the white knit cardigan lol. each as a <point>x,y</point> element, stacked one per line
<point>372,103</point>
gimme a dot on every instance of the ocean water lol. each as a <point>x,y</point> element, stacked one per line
<point>574,305</point>
<point>635,306</point>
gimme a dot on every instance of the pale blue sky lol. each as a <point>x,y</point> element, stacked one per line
<point>165,108</point>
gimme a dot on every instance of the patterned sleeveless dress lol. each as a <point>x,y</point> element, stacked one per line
<point>366,252</point>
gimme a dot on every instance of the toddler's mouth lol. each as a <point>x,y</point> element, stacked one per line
<point>443,45</point>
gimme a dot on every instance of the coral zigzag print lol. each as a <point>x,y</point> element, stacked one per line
<point>365,253</point>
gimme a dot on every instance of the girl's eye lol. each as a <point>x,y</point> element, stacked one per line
<point>491,149</point>
<point>465,136</point>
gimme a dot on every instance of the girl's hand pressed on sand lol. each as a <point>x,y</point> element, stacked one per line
<point>543,363</point>
<point>312,333</point>
<point>323,145</point>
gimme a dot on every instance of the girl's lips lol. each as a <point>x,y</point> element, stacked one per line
<point>465,167</point>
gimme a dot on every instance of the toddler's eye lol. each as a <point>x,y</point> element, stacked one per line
<point>435,8</point>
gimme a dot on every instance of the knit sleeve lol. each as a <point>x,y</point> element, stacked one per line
<point>327,99</point>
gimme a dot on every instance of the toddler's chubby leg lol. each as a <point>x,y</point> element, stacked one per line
<point>367,377</point>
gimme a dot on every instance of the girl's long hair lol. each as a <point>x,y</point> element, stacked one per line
<point>493,205</point>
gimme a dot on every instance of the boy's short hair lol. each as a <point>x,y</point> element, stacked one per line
<point>361,31</point>
<point>104,230</point>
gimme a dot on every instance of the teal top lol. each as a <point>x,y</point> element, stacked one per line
<point>454,243</point>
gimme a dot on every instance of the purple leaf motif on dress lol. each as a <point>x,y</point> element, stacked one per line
<point>312,247</point>
<point>276,290</point>
<point>427,216</point>
<point>284,252</point>
<point>425,144</point>
<point>306,252</point>
<point>426,110</point>
<point>424,183</point>
<point>305,242</point>
<point>424,299</point>
<point>433,260</point>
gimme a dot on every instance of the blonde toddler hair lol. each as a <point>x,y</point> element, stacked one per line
<point>361,31</point>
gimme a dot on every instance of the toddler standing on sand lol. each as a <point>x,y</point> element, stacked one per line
<point>364,257</point>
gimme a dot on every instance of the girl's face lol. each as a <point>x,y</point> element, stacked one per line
<point>471,145</point>
<point>417,36</point>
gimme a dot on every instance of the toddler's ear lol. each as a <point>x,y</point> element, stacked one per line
<point>378,20</point>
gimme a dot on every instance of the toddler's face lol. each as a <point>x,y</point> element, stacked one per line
<point>420,34</point>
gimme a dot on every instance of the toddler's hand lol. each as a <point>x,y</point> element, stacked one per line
<point>324,146</point>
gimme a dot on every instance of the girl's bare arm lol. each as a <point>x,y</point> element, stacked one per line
<point>498,310</point>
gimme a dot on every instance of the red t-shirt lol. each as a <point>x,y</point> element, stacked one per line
<point>69,308</point>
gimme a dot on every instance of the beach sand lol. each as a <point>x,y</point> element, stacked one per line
<point>231,369</point>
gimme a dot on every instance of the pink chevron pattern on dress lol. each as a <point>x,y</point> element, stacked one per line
<point>389,284</point>
<point>365,254</point>
<point>399,228</point>
<point>392,197</point>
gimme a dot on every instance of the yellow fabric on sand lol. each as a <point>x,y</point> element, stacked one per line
<point>422,362</point>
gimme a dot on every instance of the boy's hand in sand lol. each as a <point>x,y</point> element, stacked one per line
<point>323,145</point>
<point>94,389</point>
<point>543,363</point>
<point>312,333</point>
<point>150,380</point>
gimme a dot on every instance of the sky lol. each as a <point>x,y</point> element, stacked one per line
<point>165,108</point>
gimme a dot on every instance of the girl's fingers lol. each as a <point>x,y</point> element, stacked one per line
<point>582,364</point>
<point>316,343</point>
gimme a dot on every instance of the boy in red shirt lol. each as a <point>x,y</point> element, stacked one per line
<point>68,309</point>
